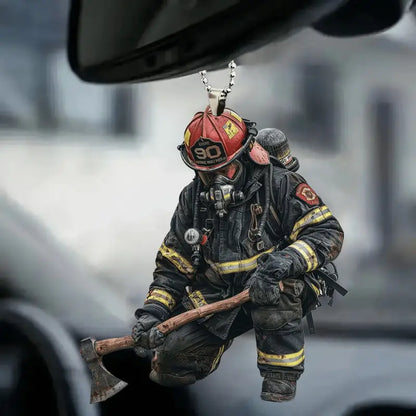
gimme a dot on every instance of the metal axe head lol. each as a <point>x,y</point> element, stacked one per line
<point>103,384</point>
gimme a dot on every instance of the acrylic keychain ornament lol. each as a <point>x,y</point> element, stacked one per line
<point>217,96</point>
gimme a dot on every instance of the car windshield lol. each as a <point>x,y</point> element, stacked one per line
<point>99,165</point>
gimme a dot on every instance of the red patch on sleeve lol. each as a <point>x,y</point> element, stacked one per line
<point>307,194</point>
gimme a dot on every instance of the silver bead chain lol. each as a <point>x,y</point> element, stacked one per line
<point>232,65</point>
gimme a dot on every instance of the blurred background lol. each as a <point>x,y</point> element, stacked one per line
<point>98,165</point>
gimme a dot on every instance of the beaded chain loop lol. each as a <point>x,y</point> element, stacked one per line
<point>232,65</point>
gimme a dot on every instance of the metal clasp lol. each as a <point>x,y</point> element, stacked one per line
<point>217,96</point>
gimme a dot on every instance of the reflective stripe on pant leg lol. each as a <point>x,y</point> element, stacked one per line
<point>279,333</point>
<point>221,351</point>
<point>282,351</point>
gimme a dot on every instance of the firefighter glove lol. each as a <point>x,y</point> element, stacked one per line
<point>264,283</point>
<point>145,334</point>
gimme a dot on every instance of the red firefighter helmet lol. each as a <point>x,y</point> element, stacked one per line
<point>211,142</point>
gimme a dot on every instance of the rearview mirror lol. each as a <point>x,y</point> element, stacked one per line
<point>133,41</point>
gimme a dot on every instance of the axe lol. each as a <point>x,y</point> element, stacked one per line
<point>103,384</point>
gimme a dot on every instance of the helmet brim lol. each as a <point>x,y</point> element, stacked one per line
<point>191,164</point>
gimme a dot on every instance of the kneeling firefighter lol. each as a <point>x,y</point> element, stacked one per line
<point>246,220</point>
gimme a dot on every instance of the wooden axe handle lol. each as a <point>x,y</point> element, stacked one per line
<point>107,346</point>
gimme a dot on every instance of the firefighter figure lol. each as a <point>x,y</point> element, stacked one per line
<point>246,220</point>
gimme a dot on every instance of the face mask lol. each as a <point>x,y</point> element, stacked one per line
<point>221,192</point>
<point>229,174</point>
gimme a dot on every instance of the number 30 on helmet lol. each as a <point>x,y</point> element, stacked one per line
<point>211,142</point>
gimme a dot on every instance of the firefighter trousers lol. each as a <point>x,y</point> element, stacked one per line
<point>192,352</point>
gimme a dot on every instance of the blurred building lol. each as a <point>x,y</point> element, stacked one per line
<point>347,106</point>
<point>39,92</point>
<point>99,165</point>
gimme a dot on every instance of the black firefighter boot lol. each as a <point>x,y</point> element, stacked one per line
<point>277,390</point>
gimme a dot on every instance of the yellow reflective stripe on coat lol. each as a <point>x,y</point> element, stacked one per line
<point>306,251</point>
<point>175,258</point>
<point>316,290</point>
<point>161,296</point>
<point>281,360</point>
<point>197,299</point>
<point>315,216</point>
<point>239,265</point>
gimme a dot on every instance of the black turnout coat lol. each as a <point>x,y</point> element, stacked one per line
<point>297,223</point>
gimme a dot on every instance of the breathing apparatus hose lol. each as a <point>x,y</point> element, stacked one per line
<point>195,221</point>
<point>266,203</point>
